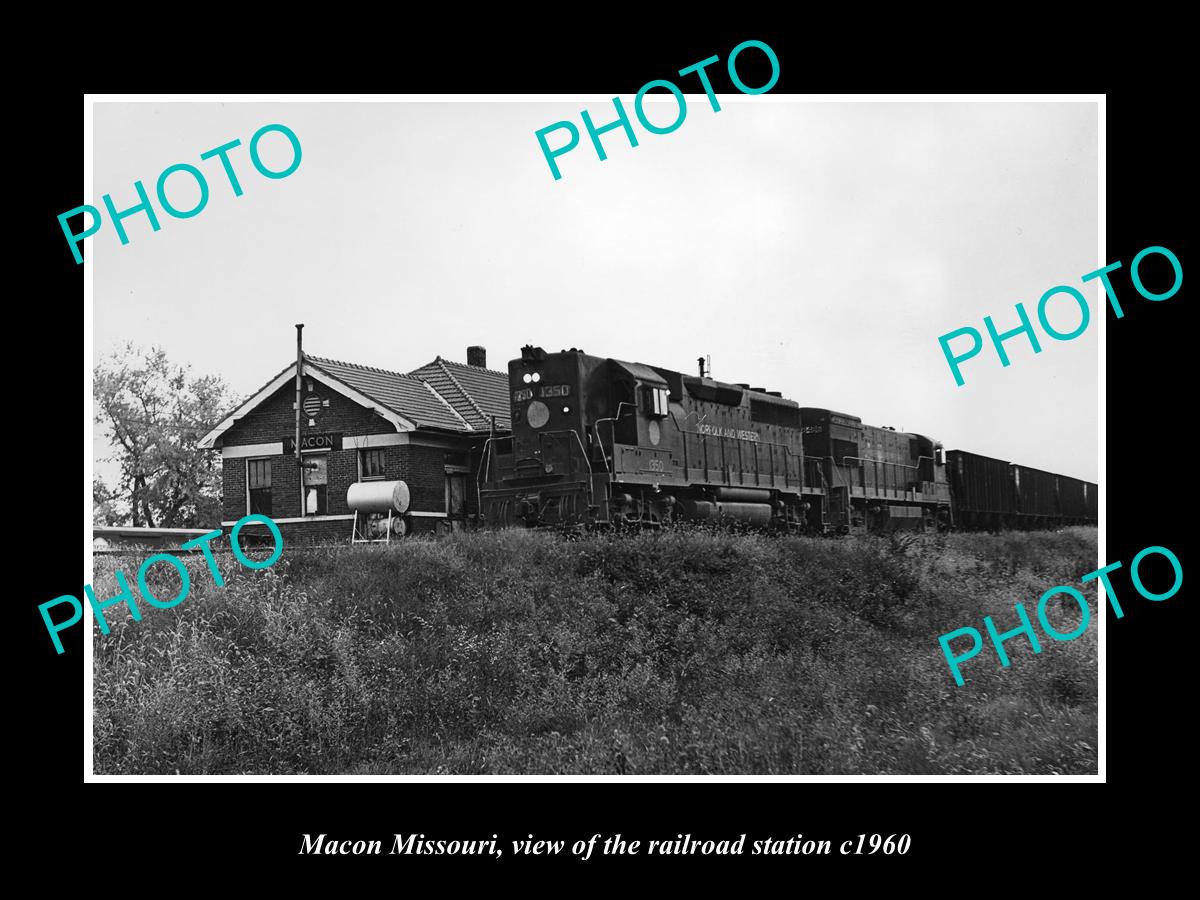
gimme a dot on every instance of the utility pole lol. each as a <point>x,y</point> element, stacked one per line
<point>299,376</point>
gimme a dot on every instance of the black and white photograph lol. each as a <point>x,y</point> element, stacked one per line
<point>700,432</point>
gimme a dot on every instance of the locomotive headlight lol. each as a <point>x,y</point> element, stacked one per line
<point>566,410</point>
<point>537,376</point>
<point>527,378</point>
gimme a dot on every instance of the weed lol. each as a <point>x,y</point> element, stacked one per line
<point>682,651</point>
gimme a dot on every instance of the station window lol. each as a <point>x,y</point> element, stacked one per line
<point>258,485</point>
<point>316,482</point>
<point>370,463</point>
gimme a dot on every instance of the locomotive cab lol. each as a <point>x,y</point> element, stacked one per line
<point>640,401</point>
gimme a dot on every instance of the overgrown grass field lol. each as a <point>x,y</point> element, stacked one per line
<point>681,652</point>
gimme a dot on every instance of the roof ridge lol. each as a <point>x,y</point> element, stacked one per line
<point>476,368</point>
<point>470,399</point>
<point>438,360</point>
<point>354,387</point>
<point>446,403</point>
<point>351,365</point>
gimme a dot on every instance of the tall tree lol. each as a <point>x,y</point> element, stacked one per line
<point>105,509</point>
<point>155,413</point>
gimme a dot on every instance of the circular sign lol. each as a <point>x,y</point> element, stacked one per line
<point>312,406</point>
<point>654,432</point>
<point>538,414</point>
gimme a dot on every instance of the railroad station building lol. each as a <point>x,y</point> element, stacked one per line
<point>427,427</point>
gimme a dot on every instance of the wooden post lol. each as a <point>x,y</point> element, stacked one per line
<point>299,376</point>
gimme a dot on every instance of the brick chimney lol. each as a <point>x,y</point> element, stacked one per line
<point>477,357</point>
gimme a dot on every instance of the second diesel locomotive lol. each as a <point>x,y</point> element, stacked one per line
<point>600,441</point>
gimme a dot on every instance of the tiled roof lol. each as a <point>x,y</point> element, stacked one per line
<point>403,394</point>
<point>442,394</point>
<point>476,394</point>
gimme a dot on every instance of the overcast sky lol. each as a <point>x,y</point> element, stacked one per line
<point>818,249</point>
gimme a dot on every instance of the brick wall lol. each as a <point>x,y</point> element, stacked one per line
<point>285,487</point>
<point>423,470</point>
<point>421,467</point>
<point>233,489</point>
<point>343,472</point>
<point>275,419</point>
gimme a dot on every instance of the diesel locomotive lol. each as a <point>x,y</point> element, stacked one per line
<point>603,442</point>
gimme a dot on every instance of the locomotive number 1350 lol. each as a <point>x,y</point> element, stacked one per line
<point>655,465</point>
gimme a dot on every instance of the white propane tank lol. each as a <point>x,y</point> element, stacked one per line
<point>378,497</point>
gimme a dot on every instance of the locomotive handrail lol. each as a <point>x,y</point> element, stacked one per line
<point>837,476</point>
<point>821,472</point>
<point>488,451</point>
<point>481,475</point>
<point>612,432</point>
<point>586,461</point>
<point>885,462</point>
<point>487,465</point>
<point>600,444</point>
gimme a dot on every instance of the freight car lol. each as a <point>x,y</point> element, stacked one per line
<point>982,491</point>
<point>1076,500</point>
<point>1036,497</point>
<point>994,494</point>
<point>603,442</point>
